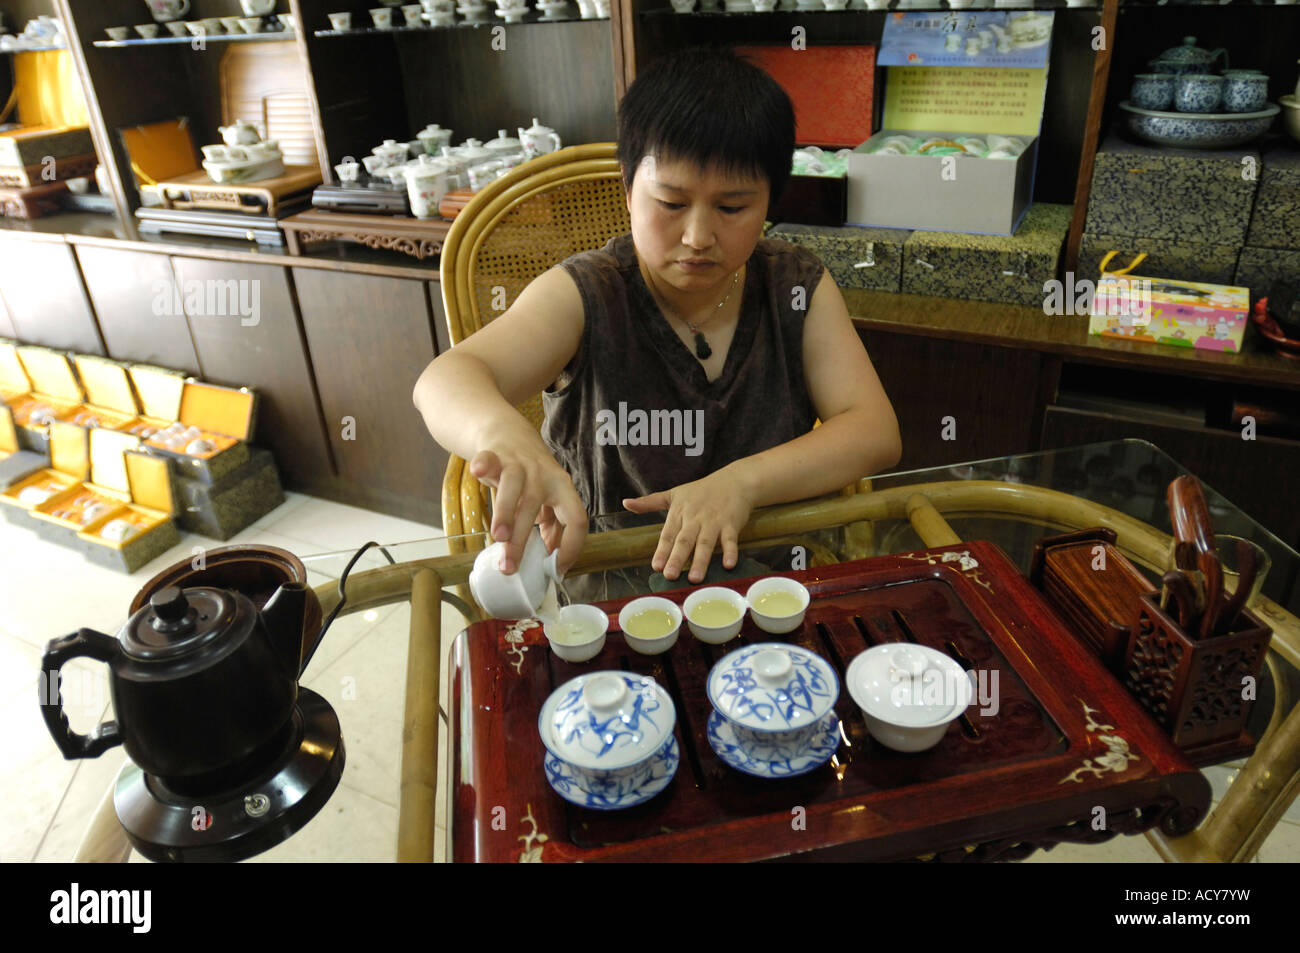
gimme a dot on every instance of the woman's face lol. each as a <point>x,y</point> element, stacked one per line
<point>694,227</point>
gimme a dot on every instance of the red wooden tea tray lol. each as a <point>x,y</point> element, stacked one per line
<point>1068,755</point>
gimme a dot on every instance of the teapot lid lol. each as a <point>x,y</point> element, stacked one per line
<point>537,128</point>
<point>607,720</point>
<point>773,686</point>
<point>1189,52</point>
<point>503,140</point>
<point>177,622</point>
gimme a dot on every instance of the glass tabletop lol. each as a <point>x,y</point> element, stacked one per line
<point>1129,476</point>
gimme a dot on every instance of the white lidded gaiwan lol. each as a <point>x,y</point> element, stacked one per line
<point>773,692</point>
<point>908,694</point>
<point>608,728</point>
<point>520,594</point>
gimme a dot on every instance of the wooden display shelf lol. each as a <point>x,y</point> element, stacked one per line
<point>418,237</point>
<point>196,190</point>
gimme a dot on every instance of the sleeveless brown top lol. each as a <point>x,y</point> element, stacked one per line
<point>633,412</point>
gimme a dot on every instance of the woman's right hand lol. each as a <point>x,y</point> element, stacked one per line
<point>532,488</point>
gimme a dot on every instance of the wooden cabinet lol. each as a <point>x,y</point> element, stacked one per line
<point>958,401</point>
<point>46,301</point>
<point>369,338</point>
<point>141,315</point>
<point>246,332</point>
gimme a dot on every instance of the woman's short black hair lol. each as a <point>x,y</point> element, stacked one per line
<point>711,107</point>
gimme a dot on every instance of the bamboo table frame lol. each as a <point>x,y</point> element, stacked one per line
<point>1233,832</point>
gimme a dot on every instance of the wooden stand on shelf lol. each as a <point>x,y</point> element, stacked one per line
<point>32,202</point>
<point>417,237</point>
<point>196,190</point>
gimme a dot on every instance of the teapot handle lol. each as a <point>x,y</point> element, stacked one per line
<point>83,642</point>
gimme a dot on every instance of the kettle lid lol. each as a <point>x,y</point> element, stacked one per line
<point>178,621</point>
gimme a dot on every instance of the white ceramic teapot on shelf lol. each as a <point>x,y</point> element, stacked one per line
<point>242,133</point>
<point>539,140</point>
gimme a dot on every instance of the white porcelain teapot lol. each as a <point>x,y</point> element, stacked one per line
<point>539,140</point>
<point>242,133</point>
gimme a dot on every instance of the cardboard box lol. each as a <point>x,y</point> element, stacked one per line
<point>1011,269</point>
<point>869,258</point>
<point>150,513</point>
<point>110,402</point>
<point>15,463</point>
<point>1184,314</point>
<point>69,466</point>
<point>55,395</point>
<point>220,510</point>
<point>1260,268</point>
<point>1181,261</point>
<point>64,514</point>
<point>981,196</point>
<point>1182,195</point>
<point>223,417</point>
<point>1275,219</point>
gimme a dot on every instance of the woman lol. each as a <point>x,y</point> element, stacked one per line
<point>683,365</point>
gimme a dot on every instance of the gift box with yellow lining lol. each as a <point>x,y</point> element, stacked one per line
<point>141,530</point>
<point>15,463</point>
<point>69,466</point>
<point>110,402</point>
<point>55,395</point>
<point>59,518</point>
<point>213,424</point>
<point>13,379</point>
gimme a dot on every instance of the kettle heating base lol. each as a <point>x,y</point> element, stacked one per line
<point>248,818</point>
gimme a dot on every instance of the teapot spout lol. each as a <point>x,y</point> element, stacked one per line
<point>283,617</point>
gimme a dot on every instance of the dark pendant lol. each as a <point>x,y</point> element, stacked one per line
<point>702,349</point>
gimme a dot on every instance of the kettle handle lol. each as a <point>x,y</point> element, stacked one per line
<point>83,642</point>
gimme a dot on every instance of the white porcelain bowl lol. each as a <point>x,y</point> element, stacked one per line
<point>715,634</point>
<point>580,634</point>
<point>908,694</point>
<point>656,645</point>
<point>608,728</point>
<point>777,624</point>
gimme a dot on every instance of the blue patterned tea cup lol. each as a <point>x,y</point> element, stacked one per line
<point>1153,90</point>
<point>1245,92</point>
<point>1198,93</point>
<point>773,695</point>
<point>608,728</point>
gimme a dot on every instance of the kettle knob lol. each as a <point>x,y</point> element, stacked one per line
<point>171,611</point>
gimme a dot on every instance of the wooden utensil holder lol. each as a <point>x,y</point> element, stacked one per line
<point>1195,688</point>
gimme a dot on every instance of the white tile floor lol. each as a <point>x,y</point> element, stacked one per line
<point>47,591</point>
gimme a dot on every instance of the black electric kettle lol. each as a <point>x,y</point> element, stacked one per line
<point>202,682</point>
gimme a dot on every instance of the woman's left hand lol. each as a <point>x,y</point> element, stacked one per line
<point>699,514</point>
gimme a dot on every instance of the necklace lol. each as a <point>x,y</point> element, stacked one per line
<point>702,349</point>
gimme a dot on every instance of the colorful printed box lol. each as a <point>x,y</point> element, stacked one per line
<point>1182,313</point>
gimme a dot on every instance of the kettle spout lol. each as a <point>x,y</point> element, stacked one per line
<point>283,617</point>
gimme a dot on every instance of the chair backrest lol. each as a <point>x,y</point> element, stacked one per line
<point>517,227</point>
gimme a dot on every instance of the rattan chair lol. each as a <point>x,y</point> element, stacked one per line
<point>513,230</point>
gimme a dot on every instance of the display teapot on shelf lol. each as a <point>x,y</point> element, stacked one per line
<point>1188,58</point>
<point>539,140</point>
<point>245,156</point>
